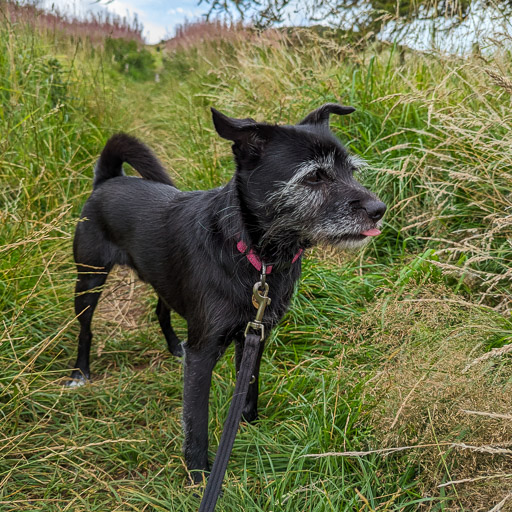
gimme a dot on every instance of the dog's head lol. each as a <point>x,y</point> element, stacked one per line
<point>297,182</point>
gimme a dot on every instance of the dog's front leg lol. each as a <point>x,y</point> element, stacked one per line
<point>199,364</point>
<point>250,412</point>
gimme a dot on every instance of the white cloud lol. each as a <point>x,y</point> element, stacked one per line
<point>180,13</point>
<point>173,12</point>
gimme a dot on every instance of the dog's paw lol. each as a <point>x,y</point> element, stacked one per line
<point>76,379</point>
<point>197,477</point>
<point>250,415</point>
<point>178,350</point>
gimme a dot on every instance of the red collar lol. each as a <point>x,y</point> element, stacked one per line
<point>254,258</point>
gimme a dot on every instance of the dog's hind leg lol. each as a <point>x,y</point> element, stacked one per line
<point>250,412</point>
<point>87,293</point>
<point>164,317</point>
<point>94,256</point>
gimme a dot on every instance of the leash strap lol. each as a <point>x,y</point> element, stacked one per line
<point>251,348</point>
<point>213,487</point>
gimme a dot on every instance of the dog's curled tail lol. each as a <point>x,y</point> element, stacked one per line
<point>125,148</point>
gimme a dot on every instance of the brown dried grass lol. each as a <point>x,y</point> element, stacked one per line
<point>455,424</point>
<point>122,306</point>
<point>192,33</point>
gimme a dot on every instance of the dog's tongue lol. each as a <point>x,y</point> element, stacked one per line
<point>371,232</point>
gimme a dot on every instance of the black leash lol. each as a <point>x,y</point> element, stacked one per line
<point>249,356</point>
<point>213,487</point>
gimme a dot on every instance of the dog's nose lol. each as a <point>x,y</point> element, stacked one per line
<point>375,209</point>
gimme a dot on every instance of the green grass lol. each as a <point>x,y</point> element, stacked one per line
<point>375,348</point>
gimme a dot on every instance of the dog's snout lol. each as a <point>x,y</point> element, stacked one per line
<point>375,209</point>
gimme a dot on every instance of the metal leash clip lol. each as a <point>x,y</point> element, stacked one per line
<point>261,300</point>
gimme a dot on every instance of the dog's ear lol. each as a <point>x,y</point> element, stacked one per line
<point>239,130</point>
<point>320,116</point>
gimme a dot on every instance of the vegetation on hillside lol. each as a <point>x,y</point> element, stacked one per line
<point>387,385</point>
<point>94,26</point>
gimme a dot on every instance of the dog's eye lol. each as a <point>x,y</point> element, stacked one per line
<point>316,178</point>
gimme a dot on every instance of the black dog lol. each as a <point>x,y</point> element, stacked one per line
<point>202,251</point>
